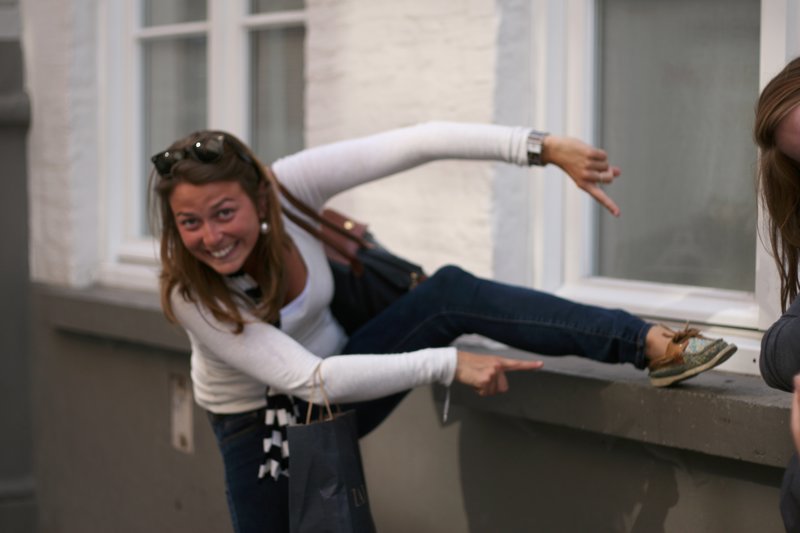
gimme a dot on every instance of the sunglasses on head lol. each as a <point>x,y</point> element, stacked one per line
<point>207,149</point>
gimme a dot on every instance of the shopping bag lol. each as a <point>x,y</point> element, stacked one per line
<point>327,489</point>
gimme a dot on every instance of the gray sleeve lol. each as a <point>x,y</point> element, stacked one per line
<point>780,350</point>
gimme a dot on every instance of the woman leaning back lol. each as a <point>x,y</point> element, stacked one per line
<point>777,133</point>
<point>252,289</point>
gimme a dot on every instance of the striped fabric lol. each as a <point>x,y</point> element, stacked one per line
<point>281,411</point>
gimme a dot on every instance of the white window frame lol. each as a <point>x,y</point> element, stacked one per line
<point>129,259</point>
<point>563,79</point>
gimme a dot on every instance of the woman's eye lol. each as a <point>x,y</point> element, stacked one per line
<point>225,214</point>
<point>188,223</point>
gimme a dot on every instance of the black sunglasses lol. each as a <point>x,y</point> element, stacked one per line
<point>207,149</point>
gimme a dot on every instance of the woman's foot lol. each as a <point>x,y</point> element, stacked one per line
<point>676,356</point>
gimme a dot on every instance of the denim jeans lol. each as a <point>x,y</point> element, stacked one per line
<point>254,504</point>
<point>450,303</point>
<point>454,302</point>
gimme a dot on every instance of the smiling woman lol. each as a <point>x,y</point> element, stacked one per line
<point>218,224</point>
<point>252,288</point>
<point>201,175</point>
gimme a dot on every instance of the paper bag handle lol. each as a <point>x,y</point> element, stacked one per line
<point>321,386</point>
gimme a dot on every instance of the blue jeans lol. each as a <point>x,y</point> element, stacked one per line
<point>255,504</point>
<point>450,303</point>
<point>454,302</point>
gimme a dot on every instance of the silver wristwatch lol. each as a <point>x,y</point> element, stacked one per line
<point>535,145</point>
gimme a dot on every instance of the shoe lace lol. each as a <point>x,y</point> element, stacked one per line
<point>680,337</point>
<point>678,342</point>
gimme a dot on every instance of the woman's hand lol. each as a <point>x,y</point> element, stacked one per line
<point>586,165</point>
<point>487,373</point>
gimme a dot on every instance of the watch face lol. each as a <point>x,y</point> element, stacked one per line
<point>535,139</point>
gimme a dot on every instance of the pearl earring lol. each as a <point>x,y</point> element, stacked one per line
<point>264,227</point>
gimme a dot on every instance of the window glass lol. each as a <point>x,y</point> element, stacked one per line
<point>160,12</point>
<point>679,80</point>
<point>174,91</point>
<point>269,6</point>
<point>277,92</point>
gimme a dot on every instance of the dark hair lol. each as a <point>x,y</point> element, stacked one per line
<point>196,281</point>
<point>779,177</point>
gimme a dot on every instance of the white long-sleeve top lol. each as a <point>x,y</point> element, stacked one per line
<point>230,371</point>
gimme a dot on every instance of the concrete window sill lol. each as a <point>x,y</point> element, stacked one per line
<point>718,413</point>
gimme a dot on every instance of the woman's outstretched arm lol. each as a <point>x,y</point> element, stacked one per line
<point>317,174</point>
<point>272,358</point>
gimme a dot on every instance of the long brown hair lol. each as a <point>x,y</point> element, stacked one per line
<point>196,281</point>
<point>779,177</point>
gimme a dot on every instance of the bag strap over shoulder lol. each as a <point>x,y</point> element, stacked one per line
<point>342,236</point>
<point>344,228</point>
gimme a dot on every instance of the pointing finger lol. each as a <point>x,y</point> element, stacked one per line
<point>603,199</point>
<point>516,364</point>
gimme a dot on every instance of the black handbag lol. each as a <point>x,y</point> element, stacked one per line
<point>327,488</point>
<point>367,277</point>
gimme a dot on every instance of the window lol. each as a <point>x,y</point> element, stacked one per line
<point>668,88</point>
<point>677,83</point>
<point>171,67</point>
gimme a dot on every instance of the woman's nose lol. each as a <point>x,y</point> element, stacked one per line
<point>211,235</point>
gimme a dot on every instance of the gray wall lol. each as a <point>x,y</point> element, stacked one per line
<point>17,499</point>
<point>104,459</point>
<point>578,447</point>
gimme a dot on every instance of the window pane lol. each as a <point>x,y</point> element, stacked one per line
<point>277,92</point>
<point>679,80</point>
<point>174,91</point>
<point>159,12</point>
<point>269,6</point>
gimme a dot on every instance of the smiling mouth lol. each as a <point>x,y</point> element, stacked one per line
<point>219,254</point>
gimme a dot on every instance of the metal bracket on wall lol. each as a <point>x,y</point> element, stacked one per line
<point>182,413</point>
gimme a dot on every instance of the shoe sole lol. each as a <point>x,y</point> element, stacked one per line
<point>718,359</point>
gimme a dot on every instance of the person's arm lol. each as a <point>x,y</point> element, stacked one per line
<point>780,350</point>
<point>317,174</point>
<point>267,354</point>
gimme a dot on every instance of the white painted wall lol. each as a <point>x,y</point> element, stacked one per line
<point>383,64</point>
<point>59,46</point>
<point>370,66</point>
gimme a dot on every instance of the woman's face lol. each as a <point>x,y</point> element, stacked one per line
<point>787,135</point>
<point>218,223</point>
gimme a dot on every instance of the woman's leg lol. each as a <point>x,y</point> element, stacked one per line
<point>453,302</point>
<point>256,505</point>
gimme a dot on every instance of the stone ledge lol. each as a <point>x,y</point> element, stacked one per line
<point>718,413</point>
<point>120,314</point>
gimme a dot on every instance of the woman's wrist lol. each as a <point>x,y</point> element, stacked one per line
<point>550,149</point>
